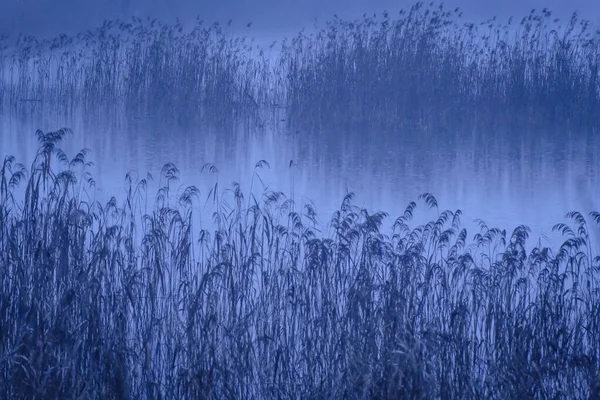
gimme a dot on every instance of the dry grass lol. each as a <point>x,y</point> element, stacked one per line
<point>136,299</point>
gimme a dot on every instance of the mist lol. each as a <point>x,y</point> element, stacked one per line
<point>400,205</point>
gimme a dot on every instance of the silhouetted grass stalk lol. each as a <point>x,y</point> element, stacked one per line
<point>137,299</point>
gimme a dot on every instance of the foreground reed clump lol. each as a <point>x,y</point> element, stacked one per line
<point>136,299</point>
<point>421,69</point>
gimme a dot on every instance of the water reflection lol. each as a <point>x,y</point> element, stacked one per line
<point>506,180</point>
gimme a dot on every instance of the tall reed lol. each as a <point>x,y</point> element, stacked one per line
<point>143,67</point>
<point>423,69</point>
<point>136,298</point>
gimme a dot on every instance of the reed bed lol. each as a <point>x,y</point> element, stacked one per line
<point>425,69</point>
<point>143,68</point>
<point>137,298</point>
<point>421,69</point>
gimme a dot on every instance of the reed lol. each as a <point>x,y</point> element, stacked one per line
<point>136,298</point>
<point>423,69</point>
<point>426,69</point>
<point>144,68</point>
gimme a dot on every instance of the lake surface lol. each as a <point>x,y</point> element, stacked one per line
<point>501,179</point>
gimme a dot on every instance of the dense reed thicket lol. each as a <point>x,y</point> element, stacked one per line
<point>426,70</point>
<point>423,69</point>
<point>137,299</point>
<point>143,68</point>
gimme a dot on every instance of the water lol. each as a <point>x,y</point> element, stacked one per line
<point>500,179</point>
